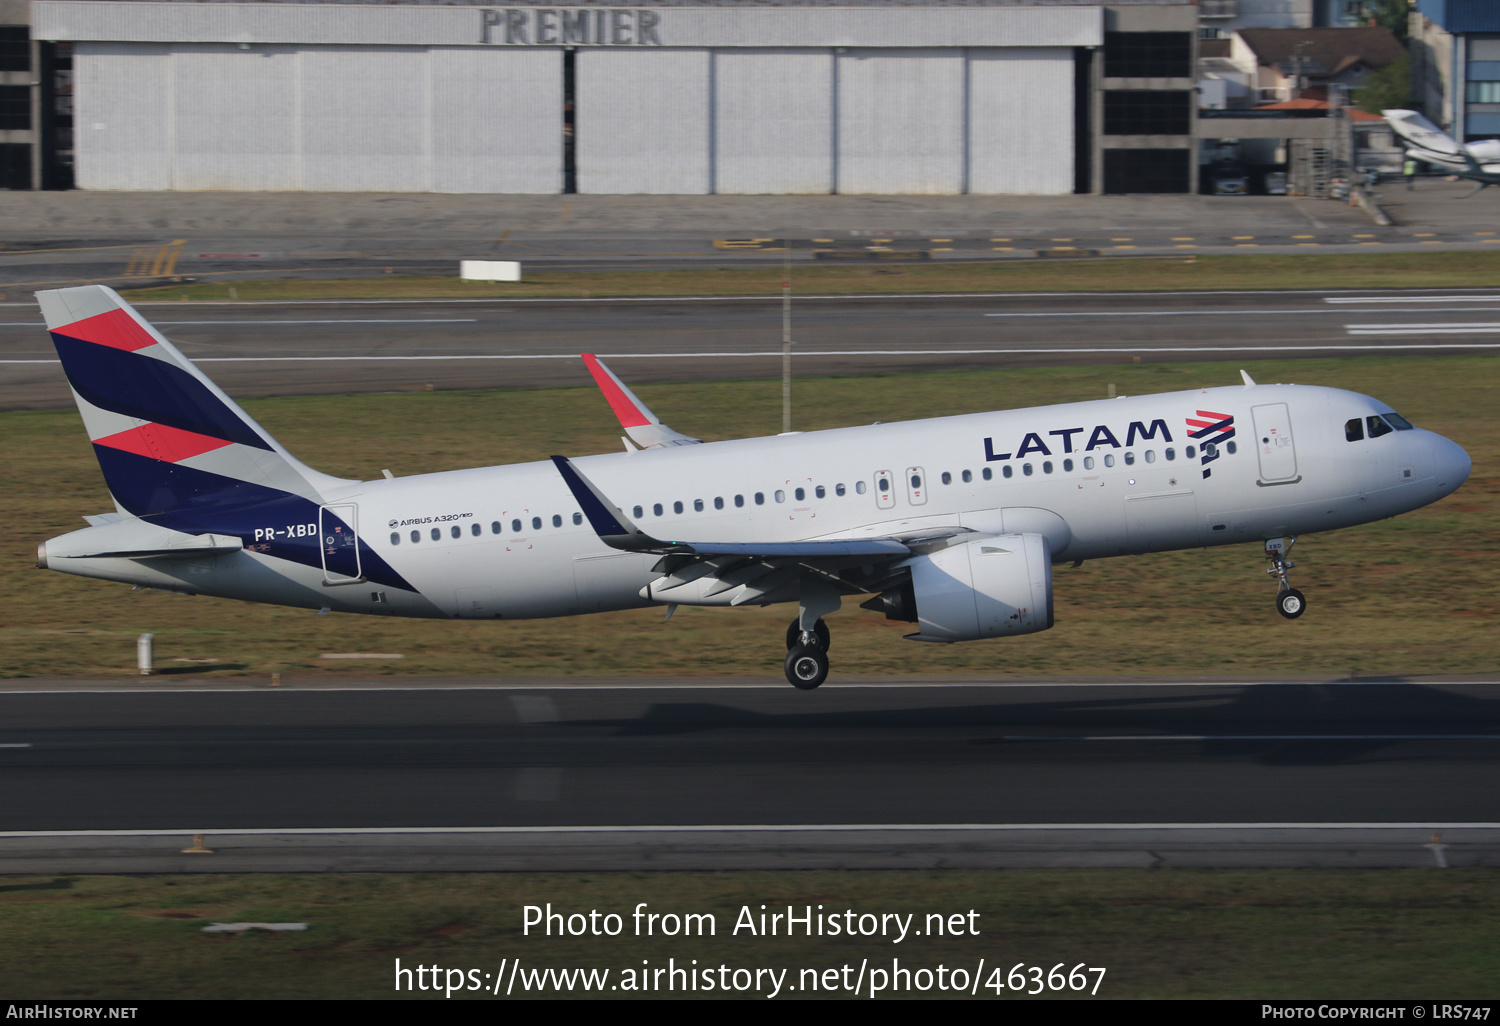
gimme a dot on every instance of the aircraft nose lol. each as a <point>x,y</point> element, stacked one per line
<point>1451,463</point>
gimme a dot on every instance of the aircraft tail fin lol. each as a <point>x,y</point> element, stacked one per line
<point>166,437</point>
<point>1418,133</point>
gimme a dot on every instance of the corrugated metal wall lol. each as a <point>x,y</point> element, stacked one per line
<point>642,118</point>
<point>901,121</point>
<point>334,119</point>
<point>1021,121</point>
<point>773,123</point>
<point>657,120</point>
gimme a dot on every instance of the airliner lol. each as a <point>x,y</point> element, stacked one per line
<point>1422,140</point>
<point>951,523</point>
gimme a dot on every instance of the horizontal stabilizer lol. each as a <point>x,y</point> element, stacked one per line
<point>644,427</point>
<point>194,547</point>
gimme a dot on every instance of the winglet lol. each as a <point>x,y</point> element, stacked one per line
<point>608,520</point>
<point>1249,382</point>
<point>643,426</point>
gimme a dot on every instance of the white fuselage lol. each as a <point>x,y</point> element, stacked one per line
<point>1098,479</point>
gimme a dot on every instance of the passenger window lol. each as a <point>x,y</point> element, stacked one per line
<point>947,478</point>
<point>916,480</point>
<point>1398,422</point>
<point>437,534</point>
<point>556,520</point>
<point>780,495</point>
<point>800,494</point>
<point>656,509</point>
<point>838,489</point>
<point>884,484</point>
<point>1210,450</point>
<point>1109,459</point>
<point>1150,455</point>
<point>515,527</point>
<point>987,473</point>
<point>677,507</point>
<point>395,537</point>
<point>1130,459</point>
<point>1377,427</point>
<point>1046,466</point>
<point>1190,452</point>
<point>1354,430</point>
<point>456,531</point>
<point>1088,463</point>
<point>638,512</point>
<point>476,530</point>
<point>859,487</point>
<point>697,505</point>
<point>1026,469</point>
<point>820,492</point>
<point>1006,471</point>
<point>494,527</point>
<point>1231,447</point>
<point>739,500</point>
<point>1171,455</point>
<point>760,498</point>
<point>536,523</point>
<point>718,502</point>
<point>1068,466</point>
<point>577,519</point>
<point>416,536</point>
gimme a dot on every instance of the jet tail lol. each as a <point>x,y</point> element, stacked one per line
<point>166,437</point>
<point>1420,134</point>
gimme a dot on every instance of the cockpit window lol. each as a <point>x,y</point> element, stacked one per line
<point>1397,421</point>
<point>1378,426</point>
<point>1354,430</point>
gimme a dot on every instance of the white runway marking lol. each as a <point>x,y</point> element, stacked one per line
<point>1035,351</point>
<point>1472,328</point>
<point>1409,299</point>
<point>743,828</point>
<point>16,746</point>
<point>1223,313</point>
<point>362,320</point>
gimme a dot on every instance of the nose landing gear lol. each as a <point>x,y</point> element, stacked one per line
<point>1290,602</point>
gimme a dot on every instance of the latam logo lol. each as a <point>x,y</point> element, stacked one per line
<point>1211,430</point>
<point>1100,437</point>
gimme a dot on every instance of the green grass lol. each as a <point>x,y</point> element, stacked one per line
<point>1404,596</point>
<point>1362,271</point>
<point>1305,934</point>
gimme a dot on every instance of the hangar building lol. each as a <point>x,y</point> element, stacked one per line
<point>676,97</point>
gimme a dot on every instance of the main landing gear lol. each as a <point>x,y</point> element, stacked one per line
<point>807,655</point>
<point>1290,602</point>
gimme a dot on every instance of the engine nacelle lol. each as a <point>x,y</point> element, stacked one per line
<point>990,587</point>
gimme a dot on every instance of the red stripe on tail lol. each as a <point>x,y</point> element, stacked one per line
<point>159,442</point>
<point>116,329</point>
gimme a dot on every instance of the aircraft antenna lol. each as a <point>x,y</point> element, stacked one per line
<point>786,336</point>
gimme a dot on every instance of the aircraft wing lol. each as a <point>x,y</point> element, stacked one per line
<point>741,573</point>
<point>644,427</point>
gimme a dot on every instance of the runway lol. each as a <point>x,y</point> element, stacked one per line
<point>608,777</point>
<point>254,349</point>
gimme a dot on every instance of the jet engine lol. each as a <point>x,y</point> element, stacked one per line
<point>989,587</point>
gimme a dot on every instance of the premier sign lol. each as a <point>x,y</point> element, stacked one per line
<point>563,26</point>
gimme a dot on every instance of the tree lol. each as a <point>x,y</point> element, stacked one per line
<point>1386,89</point>
<point>1390,14</point>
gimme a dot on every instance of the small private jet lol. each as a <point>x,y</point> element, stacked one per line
<point>952,524</point>
<point>1422,140</point>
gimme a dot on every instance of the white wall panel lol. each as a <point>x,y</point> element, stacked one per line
<point>366,113</point>
<point>773,121</point>
<point>643,121</point>
<point>234,118</point>
<point>122,116</point>
<point>901,121</point>
<point>1021,121</point>
<point>497,120</point>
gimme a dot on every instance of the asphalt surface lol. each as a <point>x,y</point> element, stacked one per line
<point>345,346</point>
<point>707,757</point>
<point>131,239</point>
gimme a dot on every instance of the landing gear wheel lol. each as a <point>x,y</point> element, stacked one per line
<point>1291,603</point>
<point>794,634</point>
<point>806,667</point>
